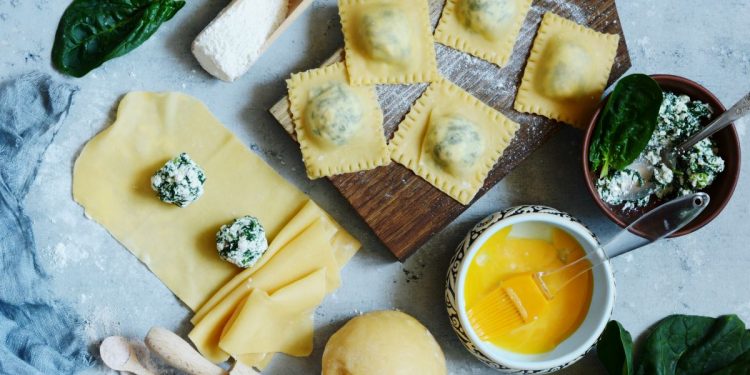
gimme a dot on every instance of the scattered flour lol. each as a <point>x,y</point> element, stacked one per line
<point>61,255</point>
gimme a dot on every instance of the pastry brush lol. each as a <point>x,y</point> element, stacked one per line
<point>521,299</point>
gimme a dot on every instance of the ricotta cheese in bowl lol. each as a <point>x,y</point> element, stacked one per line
<point>679,118</point>
<point>712,167</point>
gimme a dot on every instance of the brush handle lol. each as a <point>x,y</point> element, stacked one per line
<point>651,227</point>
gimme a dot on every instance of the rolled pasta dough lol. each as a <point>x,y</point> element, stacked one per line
<point>111,182</point>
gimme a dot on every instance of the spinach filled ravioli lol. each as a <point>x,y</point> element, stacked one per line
<point>339,127</point>
<point>567,71</point>
<point>487,29</point>
<point>388,41</point>
<point>452,140</point>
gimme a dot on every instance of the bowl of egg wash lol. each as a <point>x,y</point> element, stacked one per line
<point>518,241</point>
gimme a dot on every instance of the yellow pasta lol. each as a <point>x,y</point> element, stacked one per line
<point>339,127</point>
<point>452,140</point>
<point>567,71</point>
<point>487,29</point>
<point>388,41</point>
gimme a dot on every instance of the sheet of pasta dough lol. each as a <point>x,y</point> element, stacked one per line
<point>112,182</point>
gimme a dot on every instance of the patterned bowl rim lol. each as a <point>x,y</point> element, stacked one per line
<point>567,222</point>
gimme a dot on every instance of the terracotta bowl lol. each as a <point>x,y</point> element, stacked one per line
<point>729,149</point>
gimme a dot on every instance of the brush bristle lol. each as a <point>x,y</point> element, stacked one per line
<point>494,315</point>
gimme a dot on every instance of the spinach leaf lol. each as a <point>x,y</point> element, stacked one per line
<point>726,341</point>
<point>94,31</point>
<point>626,123</point>
<point>615,349</point>
<point>740,366</point>
<point>670,339</point>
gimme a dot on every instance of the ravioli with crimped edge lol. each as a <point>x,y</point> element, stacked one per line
<point>452,140</point>
<point>388,41</point>
<point>339,127</point>
<point>487,29</point>
<point>567,71</point>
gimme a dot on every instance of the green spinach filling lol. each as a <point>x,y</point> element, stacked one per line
<point>334,113</point>
<point>679,118</point>
<point>180,181</point>
<point>243,242</point>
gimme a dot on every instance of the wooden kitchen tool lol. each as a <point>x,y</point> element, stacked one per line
<point>402,209</point>
<point>296,8</point>
<point>117,353</point>
<point>180,355</point>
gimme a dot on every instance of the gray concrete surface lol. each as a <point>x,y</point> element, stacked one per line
<point>705,273</point>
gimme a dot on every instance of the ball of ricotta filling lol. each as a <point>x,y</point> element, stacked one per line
<point>179,182</point>
<point>243,242</point>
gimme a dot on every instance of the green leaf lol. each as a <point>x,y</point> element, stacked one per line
<point>615,349</point>
<point>626,123</point>
<point>740,366</point>
<point>670,339</point>
<point>725,343</point>
<point>94,31</point>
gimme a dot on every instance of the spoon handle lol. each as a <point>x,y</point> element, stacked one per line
<point>739,110</point>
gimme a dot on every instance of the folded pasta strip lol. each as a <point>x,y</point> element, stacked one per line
<point>239,309</point>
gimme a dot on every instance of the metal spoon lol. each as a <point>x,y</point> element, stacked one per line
<point>669,154</point>
<point>118,354</point>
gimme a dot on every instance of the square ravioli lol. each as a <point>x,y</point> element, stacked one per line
<point>388,41</point>
<point>567,71</point>
<point>452,140</point>
<point>339,127</point>
<point>487,29</point>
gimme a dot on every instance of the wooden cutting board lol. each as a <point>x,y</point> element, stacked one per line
<point>404,210</point>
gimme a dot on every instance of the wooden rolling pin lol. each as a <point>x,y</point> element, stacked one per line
<point>179,354</point>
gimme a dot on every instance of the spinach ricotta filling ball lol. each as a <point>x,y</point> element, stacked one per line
<point>243,242</point>
<point>180,181</point>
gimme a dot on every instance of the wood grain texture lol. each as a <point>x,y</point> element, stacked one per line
<point>404,210</point>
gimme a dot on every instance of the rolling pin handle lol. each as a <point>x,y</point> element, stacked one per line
<point>179,354</point>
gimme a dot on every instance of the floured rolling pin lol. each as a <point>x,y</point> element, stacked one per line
<point>242,31</point>
<point>117,353</point>
<point>179,354</point>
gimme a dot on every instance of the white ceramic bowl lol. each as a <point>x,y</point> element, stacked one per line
<point>570,350</point>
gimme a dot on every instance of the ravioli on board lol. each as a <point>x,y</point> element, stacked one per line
<point>452,140</point>
<point>339,127</point>
<point>567,71</point>
<point>388,41</point>
<point>487,29</point>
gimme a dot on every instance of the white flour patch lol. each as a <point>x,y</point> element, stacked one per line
<point>61,255</point>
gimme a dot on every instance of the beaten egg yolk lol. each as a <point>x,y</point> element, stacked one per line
<point>505,255</point>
